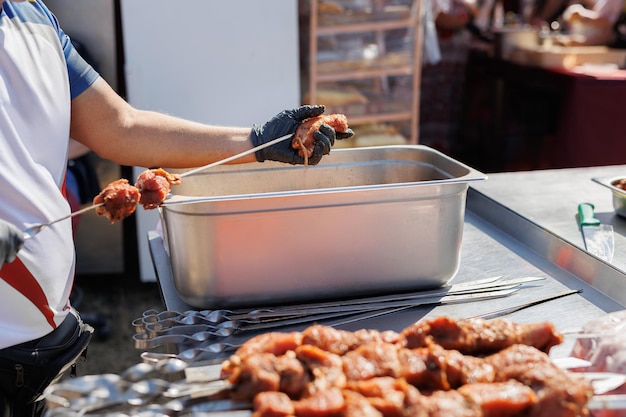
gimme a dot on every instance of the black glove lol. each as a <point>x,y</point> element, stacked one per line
<point>286,123</point>
<point>11,241</point>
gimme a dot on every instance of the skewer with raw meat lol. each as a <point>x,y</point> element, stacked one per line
<point>479,336</point>
<point>430,368</point>
<point>522,381</point>
<point>120,200</point>
<point>154,185</point>
<point>327,372</point>
<point>471,336</point>
<point>304,140</point>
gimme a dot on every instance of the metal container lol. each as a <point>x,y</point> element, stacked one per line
<point>619,194</point>
<point>363,221</point>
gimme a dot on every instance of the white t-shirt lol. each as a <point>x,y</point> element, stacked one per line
<point>40,72</point>
<point>608,9</point>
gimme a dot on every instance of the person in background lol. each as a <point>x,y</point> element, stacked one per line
<point>591,22</point>
<point>48,93</point>
<point>584,22</point>
<point>443,74</point>
<point>544,12</point>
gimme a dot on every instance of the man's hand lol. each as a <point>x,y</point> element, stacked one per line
<point>286,123</point>
<point>11,241</point>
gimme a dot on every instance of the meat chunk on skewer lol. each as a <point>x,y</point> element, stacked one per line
<point>154,185</point>
<point>526,384</point>
<point>304,140</point>
<point>268,372</point>
<point>559,393</point>
<point>479,336</point>
<point>323,371</point>
<point>120,200</point>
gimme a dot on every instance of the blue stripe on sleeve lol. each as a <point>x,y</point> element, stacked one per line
<point>81,74</point>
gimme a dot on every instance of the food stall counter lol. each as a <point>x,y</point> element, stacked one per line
<point>516,225</point>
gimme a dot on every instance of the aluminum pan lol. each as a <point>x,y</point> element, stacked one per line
<point>618,194</point>
<point>364,220</point>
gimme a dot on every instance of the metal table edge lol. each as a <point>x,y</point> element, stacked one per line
<point>598,274</point>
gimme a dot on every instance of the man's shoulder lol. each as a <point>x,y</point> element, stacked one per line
<point>30,12</point>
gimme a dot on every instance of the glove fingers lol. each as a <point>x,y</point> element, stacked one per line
<point>326,141</point>
<point>322,146</point>
<point>318,153</point>
<point>308,111</point>
<point>18,244</point>
<point>345,135</point>
<point>327,131</point>
<point>11,242</point>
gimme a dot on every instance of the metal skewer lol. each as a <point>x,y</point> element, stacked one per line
<point>239,155</point>
<point>33,230</point>
<point>36,228</point>
<point>513,309</point>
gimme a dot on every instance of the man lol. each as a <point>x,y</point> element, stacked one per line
<point>591,22</point>
<point>47,94</point>
<point>586,22</point>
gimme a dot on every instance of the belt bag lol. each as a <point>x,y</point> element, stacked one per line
<point>40,362</point>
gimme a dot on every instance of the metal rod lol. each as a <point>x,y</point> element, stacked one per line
<point>239,155</point>
<point>512,309</point>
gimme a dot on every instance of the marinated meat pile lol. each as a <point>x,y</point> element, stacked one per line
<point>621,183</point>
<point>154,186</point>
<point>437,367</point>
<point>304,139</point>
<point>120,200</point>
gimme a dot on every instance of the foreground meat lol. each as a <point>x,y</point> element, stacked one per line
<point>473,336</point>
<point>120,200</point>
<point>304,139</point>
<point>154,185</point>
<point>479,336</point>
<point>528,384</point>
<point>323,371</point>
<point>559,393</point>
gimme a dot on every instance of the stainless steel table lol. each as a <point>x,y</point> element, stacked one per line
<point>517,224</point>
<point>548,200</point>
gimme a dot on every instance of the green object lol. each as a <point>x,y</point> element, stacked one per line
<point>586,216</point>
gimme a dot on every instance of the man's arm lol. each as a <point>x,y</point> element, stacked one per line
<point>112,128</point>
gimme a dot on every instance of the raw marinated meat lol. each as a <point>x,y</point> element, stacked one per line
<point>559,393</point>
<point>154,185</point>
<point>323,371</point>
<point>479,336</point>
<point>304,140</point>
<point>120,200</point>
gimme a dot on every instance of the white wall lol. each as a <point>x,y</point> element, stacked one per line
<point>91,22</point>
<point>232,62</point>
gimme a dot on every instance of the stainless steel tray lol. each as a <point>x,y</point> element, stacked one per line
<point>618,194</point>
<point>365,220</point>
